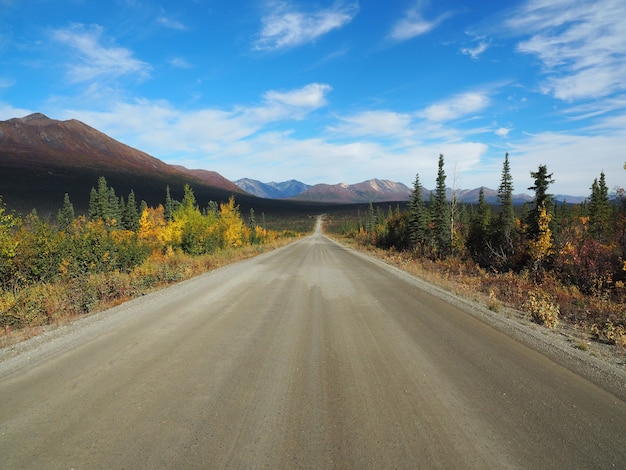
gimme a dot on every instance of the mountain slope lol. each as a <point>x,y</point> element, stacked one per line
<point>41,159</point>
<point>210,177</point>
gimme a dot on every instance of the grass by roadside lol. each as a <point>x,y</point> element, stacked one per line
<point>50,305</point>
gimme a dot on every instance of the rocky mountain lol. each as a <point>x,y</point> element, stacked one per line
<point>41,159</point>
<point>283,190</point>
<point>374,190</point>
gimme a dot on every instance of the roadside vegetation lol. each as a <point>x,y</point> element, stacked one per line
<point>555,261</point>
<point>54,271</point>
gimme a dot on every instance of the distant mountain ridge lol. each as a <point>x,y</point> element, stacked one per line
<point>373,190</point>
<point>272,190</point>
<point>41,159</point>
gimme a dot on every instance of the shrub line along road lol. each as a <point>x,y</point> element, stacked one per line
<point>310,356</point>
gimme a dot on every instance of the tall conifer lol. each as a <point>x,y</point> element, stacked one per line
<point>418,224</point>
<point>599,209</point>
<point>440,214</point>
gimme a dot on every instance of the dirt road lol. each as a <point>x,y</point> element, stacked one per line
<point>311,356</point>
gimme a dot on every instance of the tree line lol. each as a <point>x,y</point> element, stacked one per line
<point>582,244</point>
<point>118,236</point>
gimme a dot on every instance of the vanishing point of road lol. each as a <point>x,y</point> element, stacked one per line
<point>310,356</point>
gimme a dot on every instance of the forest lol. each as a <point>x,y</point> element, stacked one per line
<point>54,270</point>
<point>554,260</point>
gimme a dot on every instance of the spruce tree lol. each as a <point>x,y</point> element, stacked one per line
<point>93,211</point>
<point>542,200</point>
<point>477,238</point>
<point>501,238</point>
<point>599,209</point>
<point>418,223</point>
<point>130,217</point>
<point>103,204</point>
<point>65,217</point>
<point>440,214</point>
<point>169,204</point>
<point>113,215</point>
<point>252,220</point>
<point>505,196</point>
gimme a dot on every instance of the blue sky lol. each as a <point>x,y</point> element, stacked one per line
<point>334,91</point>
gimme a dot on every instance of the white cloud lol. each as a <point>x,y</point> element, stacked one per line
<point>374,123</point>
<point>285,27</point>
<point>575,159</point>
<point>475,52</point>
<point>9,112</point>
<point>456,107</point>
<point>160,128</point>
<point>581,44</point>
<point>310,96</point>
<point>502,131</point>
<point>92,60</point>
<point>171,23</point>
<point>180,63</point>
<point>414,24</point>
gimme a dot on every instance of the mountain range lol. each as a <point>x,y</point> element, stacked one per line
<point>41,159</point>
<point>272,190</point>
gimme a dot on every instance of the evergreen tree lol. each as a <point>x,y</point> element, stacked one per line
<point>169,204</point>
<point>252,220</point>
<point>65,217</point>
<point>130,217</point>
<point>440,214</point>
<point>505,196</point>
<point>114,214</point>
<point>103,203</point>
<point>541,201</point>
<point>478,236</point>
<point>538,231</point>
<point>599,210</point>
<point>371,219</point>
<point>93,210</point>
<point>418,224</point>
<point>500,241</point>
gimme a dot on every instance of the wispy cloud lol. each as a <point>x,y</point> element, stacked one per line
<point>6,82</point>
<point>180,63</point>
<point>286,27</point>
<point>9,112</point>
<point>171,23</point>
<point>165,128</point>
<point>456,107</point>
<point>311,96</point>
<point>373,123</point>
<point>413,23</point>
<point>91,59</point>
<point>581,44</point>
<point>502,131</point>
<point>475,52</point>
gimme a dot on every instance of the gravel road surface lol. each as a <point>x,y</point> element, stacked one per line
<point>310,356</point>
